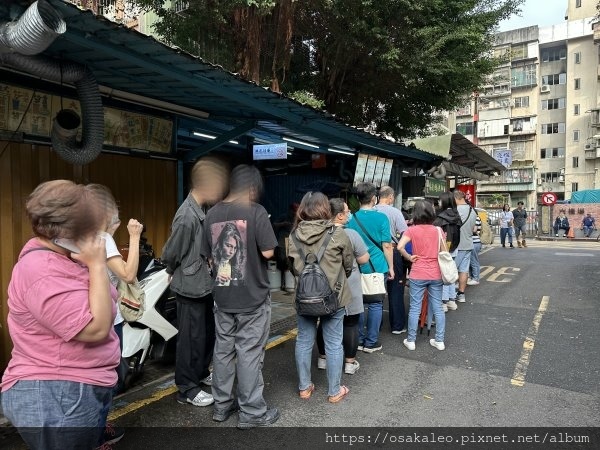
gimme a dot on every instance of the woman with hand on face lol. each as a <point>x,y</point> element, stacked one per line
<point>57,388</point>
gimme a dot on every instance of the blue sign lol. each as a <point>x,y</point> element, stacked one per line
<point>504,157</point>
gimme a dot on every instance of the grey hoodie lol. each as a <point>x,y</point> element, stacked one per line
<point>338,255</point>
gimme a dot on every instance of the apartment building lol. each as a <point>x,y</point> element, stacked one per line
<point>539,114</point>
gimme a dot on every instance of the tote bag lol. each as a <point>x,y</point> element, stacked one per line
<point>373,287</point>
<point>446,262</point>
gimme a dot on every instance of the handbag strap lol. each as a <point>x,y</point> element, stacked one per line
<point>319,255</point>
<point>367,233</point>
<point>441,242</point>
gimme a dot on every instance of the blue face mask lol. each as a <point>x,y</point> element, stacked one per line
<point>349,217</point>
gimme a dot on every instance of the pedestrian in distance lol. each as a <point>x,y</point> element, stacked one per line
<point>341,214</point>
<point>588,225</point>
<point>475,266</point>
<point>561,223</point>
<point>242,308</point>
<point>520,224</point>
<point>506,224</point>
<point>425,273</point>
<point>192,283</point>
<point>314,229</point>
<point>463,258</point>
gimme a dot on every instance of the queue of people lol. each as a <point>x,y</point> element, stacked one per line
<point>221,239</point>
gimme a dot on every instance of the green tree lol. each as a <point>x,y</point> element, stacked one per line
<point>391,65</point>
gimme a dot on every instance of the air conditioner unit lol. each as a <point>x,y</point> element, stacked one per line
<point>562,171</point>
<point>561,178</point>
<point>589,146</point>
<point>545,88</point>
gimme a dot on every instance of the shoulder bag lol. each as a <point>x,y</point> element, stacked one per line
<point>373,284</point>
<point>131,300</point>
<point>445,261</point>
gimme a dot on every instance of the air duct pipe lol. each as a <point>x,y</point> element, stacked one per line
<point>35,30</point>
<point>28,35</point>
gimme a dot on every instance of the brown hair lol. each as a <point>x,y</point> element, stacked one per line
<point>61,208</point>
<point>314,206</point>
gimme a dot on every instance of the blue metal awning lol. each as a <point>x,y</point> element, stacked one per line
<point>224,105</point>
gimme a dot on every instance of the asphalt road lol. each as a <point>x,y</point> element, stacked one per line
<point>521,352</point>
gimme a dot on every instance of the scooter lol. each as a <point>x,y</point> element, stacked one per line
<point>152,335</point>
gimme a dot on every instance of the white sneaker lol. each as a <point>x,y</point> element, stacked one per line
<point>351,367</point>
<point>445,306</point>
<point>409,345</point>
<point>403,330</point>
<point>201,399</point>
<point>321,363</point>
<point>452,306</point>
<point>460,298</point>
<point>360,348</point>
<point>207,381</point>
<point>436,344</point>
<point>472,282</point>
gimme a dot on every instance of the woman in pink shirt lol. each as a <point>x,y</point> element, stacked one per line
<point>57,387</point>
<point>425,272</point>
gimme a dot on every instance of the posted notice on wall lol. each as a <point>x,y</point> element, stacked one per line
<point>269,151</point>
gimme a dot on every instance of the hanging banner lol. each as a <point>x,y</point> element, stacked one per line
<point>504,157</point>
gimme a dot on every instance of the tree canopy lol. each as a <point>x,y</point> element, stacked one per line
<point>390,65</point>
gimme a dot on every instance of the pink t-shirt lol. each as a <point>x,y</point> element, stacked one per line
<point>425,243</point>
<point>48,306</point>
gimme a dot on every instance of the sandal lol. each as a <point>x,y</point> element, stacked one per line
<point>306,393</point>
<point>340,396</point>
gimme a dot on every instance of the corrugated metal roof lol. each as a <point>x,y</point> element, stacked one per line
<point>129,61</point>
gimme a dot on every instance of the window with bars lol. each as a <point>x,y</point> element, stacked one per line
<point>577,57</point>
<point>549,153</point>
<point>576,134</point>
<point>523,76</point>
<point>576,109</point>
<point>521,102</point>
<point>554,54</point>
<point>577,83</point>
<point>554,103</point>
<point>553,128</point>
<point>575,161</point>
<point>549,177</point>
<point>558,78</point>
<point>574,187</point>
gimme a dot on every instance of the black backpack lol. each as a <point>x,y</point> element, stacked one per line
<point>314,296</point>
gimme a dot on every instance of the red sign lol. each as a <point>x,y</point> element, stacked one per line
<point>469,190</point>
<point>549,198</point>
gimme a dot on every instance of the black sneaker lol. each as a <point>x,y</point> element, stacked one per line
<point>221,415</point>
<point>268,418</point>
<point>374,348</point>
<point>112,434</point>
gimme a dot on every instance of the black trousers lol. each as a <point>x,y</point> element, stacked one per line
<point>350,340</point>
<point>195,342</point>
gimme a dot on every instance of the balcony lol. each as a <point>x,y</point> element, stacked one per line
<point>181,6</point>
<point>593,153</point>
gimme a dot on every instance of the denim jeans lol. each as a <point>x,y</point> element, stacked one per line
<point>449,292</point>
<point>417,290</point>
<point>57,414</point>
<point>333,330</point>
<point>506,232</point>
<point>374,316</point>
<point>475,267</point>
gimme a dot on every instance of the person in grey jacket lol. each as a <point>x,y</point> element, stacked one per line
<point>192,283</point>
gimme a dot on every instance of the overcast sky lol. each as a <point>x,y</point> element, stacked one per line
<point>537,12</point>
